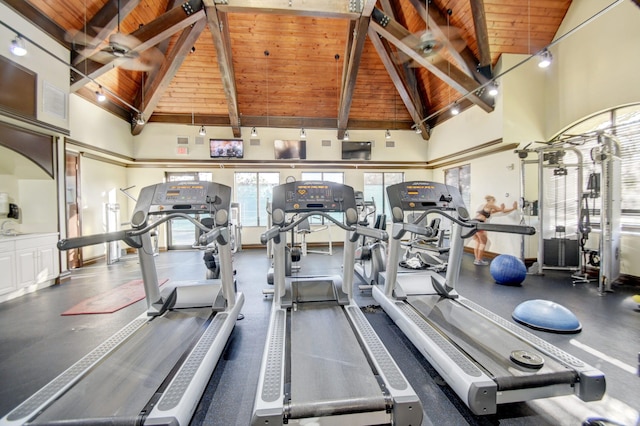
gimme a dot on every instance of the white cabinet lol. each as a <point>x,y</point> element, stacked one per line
<point>7,267</point>
<point>27,262</point>
<point>36,260</point>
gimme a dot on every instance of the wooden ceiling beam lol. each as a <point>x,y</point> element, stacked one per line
<point>351,65</point>
<point>415,110</point>
<point>219,28</point>
<point>445,71</point>
<point>322,8</point>
<point>482,37</point>
<point>149,35</point>
<point>154,89</point>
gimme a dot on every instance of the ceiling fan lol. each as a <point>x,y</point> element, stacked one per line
<point>431,44</point>
<point>118,46</point>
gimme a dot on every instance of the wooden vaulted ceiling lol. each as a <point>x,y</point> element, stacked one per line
<point>299,63</point>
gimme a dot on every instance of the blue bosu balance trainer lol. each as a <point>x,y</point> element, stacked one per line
<point>546,315</point>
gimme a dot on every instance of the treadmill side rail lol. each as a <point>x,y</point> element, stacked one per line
<point>180,399</point>
<point>269,403</point>
<point>407,409</point>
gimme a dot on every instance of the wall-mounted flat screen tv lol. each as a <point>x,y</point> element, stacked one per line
<point>356,150</point>
<point>290,149</point>
<point>226,148</point>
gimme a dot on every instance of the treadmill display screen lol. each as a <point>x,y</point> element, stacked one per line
<point>418,193</point>
<point>183,193</point>
<point>311,193</point>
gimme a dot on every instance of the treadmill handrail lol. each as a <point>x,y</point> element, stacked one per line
<point>483,226</point>
<point>128,235</point>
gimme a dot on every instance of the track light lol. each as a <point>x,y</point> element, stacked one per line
<point>18,46</point>
<point>545,59</point>
<point>387,134</point>
<point>455,109</point>
<point>100,97</point>
<point>254,132</point>
<point>418,129</point>
<point>303,134</point>
<point>202,131</point>
<point>140,119</point>
<point>346,135</point>
<point>493,89</point>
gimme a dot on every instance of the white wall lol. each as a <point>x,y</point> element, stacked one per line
<point>595,68</point>
<point>49,69</point>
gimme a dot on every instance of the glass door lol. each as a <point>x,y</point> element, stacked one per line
<point>181,234</point>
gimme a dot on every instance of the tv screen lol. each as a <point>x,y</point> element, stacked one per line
<point>226,148</point>
<point>290,150</point>
<point>356,150</point>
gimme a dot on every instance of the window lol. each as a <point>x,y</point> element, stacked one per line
<point>375,186</point>
<point>624,123</point>
<point>460,177</point>
<point>187,176</point>
<point>253,191</point>
<point>337,177</point>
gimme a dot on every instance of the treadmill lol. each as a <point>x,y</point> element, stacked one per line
<point>323,363</point>
<point>155,369</point>
<point>484,358</point>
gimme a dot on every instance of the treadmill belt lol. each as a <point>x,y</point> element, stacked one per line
<point>489,345</point>
<point>329,371</point>
<point>122,384</point>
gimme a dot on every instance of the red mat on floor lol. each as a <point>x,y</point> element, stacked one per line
<point>112,300</point>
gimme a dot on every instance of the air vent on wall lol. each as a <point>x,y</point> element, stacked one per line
<point>54,101</point>
<point>326,142</point>
<point>391,144</point>
<point>254,142</point>
<point>199,140</point>
<point>183,140</point>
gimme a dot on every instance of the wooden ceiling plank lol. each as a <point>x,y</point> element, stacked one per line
<point>149,35</point>
<point>482,35</point>
<point>450,74</point>
<point>219,28</point>
<point>352,65</point>
<point>321,8</point>
<point>155,87</point>
<point>415,110</point>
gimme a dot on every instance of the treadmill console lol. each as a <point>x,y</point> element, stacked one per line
<point>309,196</point>
<point>183,197</point>
<point>420,196</point>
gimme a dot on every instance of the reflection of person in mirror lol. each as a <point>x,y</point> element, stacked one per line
<point>482,215</point>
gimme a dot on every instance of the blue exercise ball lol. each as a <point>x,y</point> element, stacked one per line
<point>507,270</point>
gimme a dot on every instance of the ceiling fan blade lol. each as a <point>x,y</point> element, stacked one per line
<point>126,41</point>
<point>148,60</point>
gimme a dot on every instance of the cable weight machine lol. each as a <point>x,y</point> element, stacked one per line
<point>579,181</point>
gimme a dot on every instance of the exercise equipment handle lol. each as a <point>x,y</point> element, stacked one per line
<point>89,240</point>
<point>509,229</point>
<point>270,234</point>
<point>378,234</point>
<point>425,231</point>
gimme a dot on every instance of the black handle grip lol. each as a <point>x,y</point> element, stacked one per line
<point>509,229</point>
<point>89,240</point>
<point>270,234</point>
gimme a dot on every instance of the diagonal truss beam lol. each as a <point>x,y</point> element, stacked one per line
<point>355,45</point>
<point>445,71</point>
<point>156,86</point>
<point>219,28</point>
<point>149,35</point>
<point>482,37</point>
<point>415,109</point>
